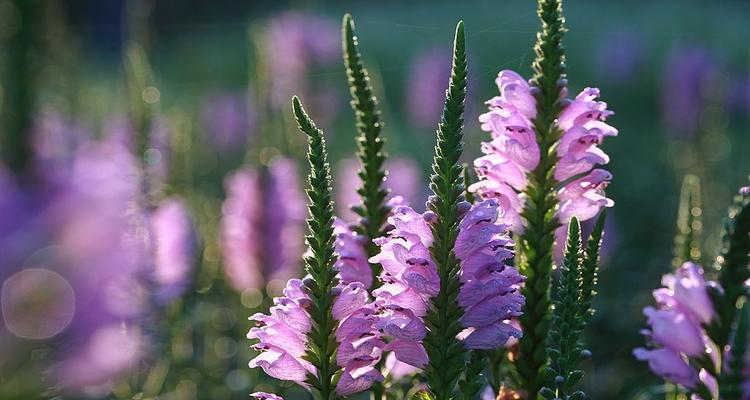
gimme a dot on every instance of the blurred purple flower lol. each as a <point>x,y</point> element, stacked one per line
<point>294,42</point>
<point>425,91</point>
<point>619,57</point>
<point>174,239</point>
<point>80,257</point>
<point>404,179</point>
<point>55,139</point>
<point>119,129</point>
<point>228,119</point>
<point>262,225</point>
<point>689,70</point>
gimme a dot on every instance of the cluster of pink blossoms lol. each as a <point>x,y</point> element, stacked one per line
<point>676,328</point>
<point>392,322</point>
<point>282,337</point>
<point>514,151</point>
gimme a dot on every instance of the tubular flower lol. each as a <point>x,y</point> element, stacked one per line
<point>175,243</point>
<point>676,326</point>
<point>261,244</point>
<point>410,280</point>
<point>490,291</point>
<point>352,263</point>
<point>514,151</point>
<point>282,337</point>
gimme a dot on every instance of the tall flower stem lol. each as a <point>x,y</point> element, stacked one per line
<point>535,245</point>
<point>18,96</point>
<point>573,295</point>
<point>444,350</point>
<point>732,265</point>
<point>321,343</point>
<point>369,144</point>
<point>689,225</point>
<point>732,380</point>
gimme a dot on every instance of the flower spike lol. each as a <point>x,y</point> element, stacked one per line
<point>687,241</point>
<point>444,350</point>
<point>732,382</point>
<point>732,264</point>
<point>320,346</point>
<point>370,153</point>
<point>565,350</point>
<point>590,268</point>
<point>535,246</point>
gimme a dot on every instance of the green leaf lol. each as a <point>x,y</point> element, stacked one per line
<point>422,395</point>
<point>320,264</point>
<point>369,144</point>
<point>534,248</point>
<point>733,266</point>
<point>568,320</point>
<point>446,182</point>
<point>689,226</point>
<point>590,267</point>
<point>473,379</point>
<point>732,378</point>
<point>467,182</point>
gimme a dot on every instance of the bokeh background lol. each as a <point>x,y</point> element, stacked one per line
<point>676,73</point>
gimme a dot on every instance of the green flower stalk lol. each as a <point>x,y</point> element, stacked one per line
<point>689,223</point>
<point>535,246</point>
<point>732,266</point>
<point>473,380</point>
<point>319,265</point>
<point>18,95</point>
<point>590,268</point>
<point>373,210</point>
<point>446,353</point>
<point>573,295</point>
<point>732,379</point>
<point>468,180</point>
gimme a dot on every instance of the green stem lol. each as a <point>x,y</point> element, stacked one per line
<point>18,96</point>
<point>687,240</point>
<point>732,265</point>
<point>534,251</point>
<point>369,145</point>
<point>732,378</point>
<point>321,343</point>
<point>445,352</point>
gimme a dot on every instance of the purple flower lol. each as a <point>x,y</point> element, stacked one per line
<point>293,43</point>
<point>687,74</point>
<point>676,327</point>
<point>426,92</point>
<point>282,336</point>
<point>227,119</point>
<point>175,240</point>
<point>84,241</point>
<point>686,290</point>
<point>619,58</point>
<point>351,264</point>
<point>410,280</point>
<point>514,152</point>
<point>490,294</point>
<point>584,197</point>
<point>262,225</point>
<point>265,396</point>
<point>55,140</point>
<point>669,365</point>
<point>404,179</point>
